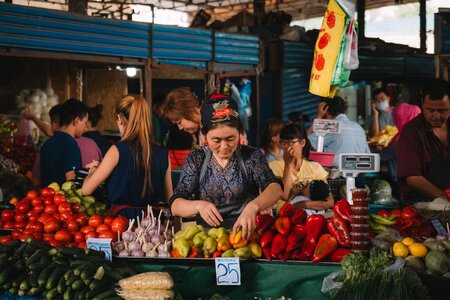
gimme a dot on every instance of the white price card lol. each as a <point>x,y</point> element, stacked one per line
<point>324,126</point>
<point>228,271</point>
<point>100,245</point>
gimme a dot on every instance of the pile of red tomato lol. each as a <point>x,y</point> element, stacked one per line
<point>49,217</point>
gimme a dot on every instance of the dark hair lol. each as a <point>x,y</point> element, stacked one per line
<point>70,110</point>
<point>272,127</point>
<point>379,91</point>
<point>298,117</point>
<point>436,90</point>
<point>296,131</point>
<point>319,190</point>
<point>55,113</point>
<point>235,123</point>
<point>95,114</point>
<point>179,139</point>
<point>336,106</point>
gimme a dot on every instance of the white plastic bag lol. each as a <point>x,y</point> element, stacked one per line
<point>351,60</point>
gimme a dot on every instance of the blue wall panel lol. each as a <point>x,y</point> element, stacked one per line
<point>234,48</point>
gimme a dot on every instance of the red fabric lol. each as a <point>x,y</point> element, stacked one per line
<point>177,158</point>
<point>402,114</point>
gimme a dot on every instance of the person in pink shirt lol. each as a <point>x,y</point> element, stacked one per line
<point>402,114</point>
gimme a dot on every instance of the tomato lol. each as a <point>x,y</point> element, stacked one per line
<point>81,218</point>
<point>25,236</point>
<point>7,215</point>
<point>8,225</point>
<point>38,208</point>
<point>33,217</point>
<point>20,225</point>
<point>5,239</point>
<point>16,233</point>
<point>57,216</point>
<point>59,199</point>
<point>75,207</point>
<point>36,201</point>
<point>47,192</point>
<point>38,236</point>
<point>51,209</point>
<point>48,236</point>
<point>51,226</point>
<point>65,208</point>
<point>31,194</point>
<point>43,217</point>
<point>63,235</point>
<point>108,234</point>
<point>65,216</point>
<point>91,234</point>
<point>108,220</point>
<point>23,207</point>
<point>119,224</point>
<point>72,225</point>
<point>82,245</point>
<point>79,237</point>
<point>408,213</point>
<point>86,229</point>
<point>95,220</point>
<point>36,226</point>
<point>54,243</point>
<point>20,218</point>
<point>48,201</point>
<point>102,227</point>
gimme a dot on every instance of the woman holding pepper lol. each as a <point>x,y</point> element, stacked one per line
<point>297,172</point>
<point>224,183</point>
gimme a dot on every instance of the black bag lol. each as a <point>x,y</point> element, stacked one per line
<point>100,194</point>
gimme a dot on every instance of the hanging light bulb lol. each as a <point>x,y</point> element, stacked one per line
<point>131,72</point>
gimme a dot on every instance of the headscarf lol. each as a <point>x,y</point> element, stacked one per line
<point>403,113</point>
<point>219,108</point>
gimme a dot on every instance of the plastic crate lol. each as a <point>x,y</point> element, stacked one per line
<point>335,185</point>
<point>324,158</point>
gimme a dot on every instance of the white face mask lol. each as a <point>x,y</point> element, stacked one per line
<point>383,105</point>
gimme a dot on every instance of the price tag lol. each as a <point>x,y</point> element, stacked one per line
<point>324,126</point>
<point>100,245</point>
<point>228,271</point>
<point>438,226</point>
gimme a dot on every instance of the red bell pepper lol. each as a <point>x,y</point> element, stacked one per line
<point>299,216</point>
<point>287,210</point>
<point>314,226</point>
<point>264,223</point>
<point>326,245</point>
<point>299,255</point>
<point>384,213</point>
<point>299,231</point>
<point>283,225</point>
<point>338,228</point>
<point>339,254</point>
<point>307,249</point>
<point>343,209</point>
<point>295,237</point>
<point>266,252</point>
<point>409,212</point>
<point>266,239</point>
<point>278,245</point>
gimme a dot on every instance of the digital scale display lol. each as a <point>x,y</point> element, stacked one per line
<point>359,163</point>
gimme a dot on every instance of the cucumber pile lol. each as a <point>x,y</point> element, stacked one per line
<point>36,269</point>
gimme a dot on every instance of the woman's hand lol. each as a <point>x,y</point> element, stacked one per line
<point>209,213</point>
<point>288,155</point>
<point>246,221</point>
<point>92,165</point>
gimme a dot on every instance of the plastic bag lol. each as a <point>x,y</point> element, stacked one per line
<point>351,60</point>
<point>340,73</point>
<point>390,235</point>
<point>331,284</point>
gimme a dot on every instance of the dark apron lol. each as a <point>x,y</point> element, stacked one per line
<point>439,172</point>
<point>230,211</point>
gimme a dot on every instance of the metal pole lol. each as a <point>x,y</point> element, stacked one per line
<point>423,25</point>
<point>361,8</point>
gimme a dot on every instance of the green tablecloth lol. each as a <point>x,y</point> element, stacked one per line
<point>196,279</point>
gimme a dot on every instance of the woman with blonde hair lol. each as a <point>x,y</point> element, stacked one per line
<point>137,170</point>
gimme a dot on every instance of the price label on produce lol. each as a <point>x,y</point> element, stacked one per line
<point>228,271</point>
<point>100,245</point>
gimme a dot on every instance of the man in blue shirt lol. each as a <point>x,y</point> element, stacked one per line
<point>60,154</point>
<point>352,138</point>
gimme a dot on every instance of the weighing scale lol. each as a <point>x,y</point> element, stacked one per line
<point>321,127</point>
<point>352,164</point>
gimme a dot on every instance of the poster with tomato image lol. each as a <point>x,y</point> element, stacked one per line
<point>328,46</point>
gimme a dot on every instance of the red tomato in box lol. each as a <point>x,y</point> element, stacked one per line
<point>95,220</point>
<point>36,201</point>
<point>119,224</point>
<point>47,192</point>
<point>108,220</point>
<point>65,208</point>
<point>51,209</point>
<point>79,237</point>
<point>5,239</point>
<point>91,234</point>
<point>51,225</point>
<point>8,225</point>
<point>48,201</point>
<point>7,215</point>
<point>43,217</point>
<point>102,227</point>
<point>72,225</point>
<point>108,234</point>
<point>23,207</point>
<point>20,218</point>
<point>33,217</point>
<point>54,243</point>
<point>20,225</point>
<point>63,235</point>
<point>86,229</point>
<point>16,234</point>
<point>48,236</point>
<point>31,194</point>
<point>82,245</point>
<point>59,199</point>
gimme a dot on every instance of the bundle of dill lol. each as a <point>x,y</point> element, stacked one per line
<point>366,278</point>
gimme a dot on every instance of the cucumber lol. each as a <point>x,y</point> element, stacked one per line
<point>12,246</point>
<point>35,291</point>
<point>18,280</point>
<point>61,285</point>
<point>77,285</point>
<point>52,252</point>
<point>51,294</point>
<point>70,251</point>
<point>76,263</point>
<point>25,284</point>
<point>92,252</point>
<point>54,277</point>
<point>6,274</point>
<point>96,287</point>
<point>21,293</point>
<point>78,270</point>
<point>40,265</point>
<point>99,273</point>
<point>108,294</point>
<point>68,274</point>
<point>82,293</point>
<point>59,260</point>
<point>35,257</point>
<point>71,281</point>
<point>68,294</point>
<point>34,279</point>
<point>45,273</point>
<point>87,272</point>
<point>13,290</point>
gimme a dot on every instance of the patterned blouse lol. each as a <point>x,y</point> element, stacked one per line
<point>224,185</point>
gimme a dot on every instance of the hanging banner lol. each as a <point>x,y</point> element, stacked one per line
<point>326,74</point>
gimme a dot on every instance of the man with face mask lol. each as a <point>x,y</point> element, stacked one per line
<point>381,112</point>
<point>423,149</point>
